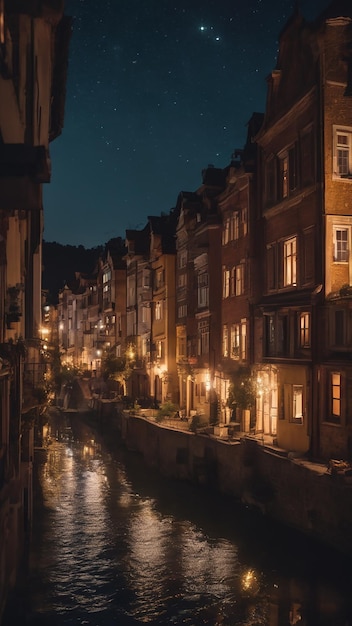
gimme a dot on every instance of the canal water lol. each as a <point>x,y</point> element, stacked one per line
<point>116,544</point>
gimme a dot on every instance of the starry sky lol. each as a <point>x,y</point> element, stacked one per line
<point>156,91</point>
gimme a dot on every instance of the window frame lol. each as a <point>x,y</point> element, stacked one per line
<point>346,148</point>
<point>290,262</point>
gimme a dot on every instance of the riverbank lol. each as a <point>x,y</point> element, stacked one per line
<point>293,491</point>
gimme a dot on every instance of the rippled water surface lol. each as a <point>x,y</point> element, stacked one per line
<point>115,544</point>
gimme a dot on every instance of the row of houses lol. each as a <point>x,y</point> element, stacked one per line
<point>246,283</point>
<point>33,58</point>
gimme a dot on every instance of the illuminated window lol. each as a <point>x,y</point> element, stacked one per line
<point>226,283</point>
<point>290,261</point>
<point>225,341</point>
<point>342,159</point>
<point>297,404</point>
<point>235,341</point>
<point>239,285</point>
<point>304,330</point>
<point>335,396</point>
<point>158,310</point>
<point>243,339</point>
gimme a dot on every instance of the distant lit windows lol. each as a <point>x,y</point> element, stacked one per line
<point>290,262</point>
<point>341,236</point>
<point>342,158</point>
<point>231,228</point>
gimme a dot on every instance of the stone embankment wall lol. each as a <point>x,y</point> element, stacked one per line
<point>295,492</point>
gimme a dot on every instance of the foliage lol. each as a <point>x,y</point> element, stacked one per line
<point>166,410</point>
<point>197,421</point>
<point>113,367</point>
<point>242,391</point>
<point>65,375</point>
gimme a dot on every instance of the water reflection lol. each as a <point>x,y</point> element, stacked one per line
<point>116,544</point>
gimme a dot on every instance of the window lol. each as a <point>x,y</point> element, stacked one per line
<point>335,383</point>
<point>341,247</point>
<point>235,341</point>
<point>342,165</point>
<point>239,286</point>
<point>226,232</point>
<point>284,176</point>
<point>158,310</point>
<point>225,341</point>
<point>203,337</point>
<point>131,293</point>
<point>182,310</point>
<point>235,226</point>
<point>226,283</point>
<point>203,291</point>
<point>243,339</point>
<point>159,349</point>
<point>159,278</point>
<point>231,228</point>
<point>271,266</point>
<point>182,258</point>
<point>297,404</point>
<point>182,280</point>
<point>304,330</point>
<point>290,262</point>
<point>244,220</point>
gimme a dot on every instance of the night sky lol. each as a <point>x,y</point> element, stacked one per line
<point>156,91</point>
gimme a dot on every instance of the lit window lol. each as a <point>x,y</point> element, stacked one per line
<point>226,284</point>
<point>239,286</point>
<point>225,341</point>
<point>158,310</point>
<point>235,341</point>
<point>290,261</point>
<point>297,404</point>
<point>243,339</point>
<point>335,396</point>
<point>304,330</point>
<point>342,153</point>
<point>284,176</point>
<point>226,231</point>
<point>341,248</point>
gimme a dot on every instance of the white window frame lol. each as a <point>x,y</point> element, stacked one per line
<point>158,310</point>
<point>342,153</point>
<point>341,253</point>
<point>239,279</point>
<point>203,289</point>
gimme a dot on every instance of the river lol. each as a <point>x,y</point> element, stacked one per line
<point>114,543</point>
